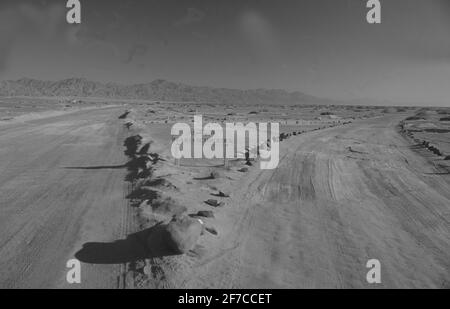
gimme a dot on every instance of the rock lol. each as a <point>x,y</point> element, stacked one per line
<point>182,233</point>
<point>211,230</point>
<point>213,203</point>
<point>205,213</point>
<point>243,170</point>
<point>124,115</point>
<point>221,194</point>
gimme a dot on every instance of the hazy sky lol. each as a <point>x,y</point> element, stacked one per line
<point>321,47</point>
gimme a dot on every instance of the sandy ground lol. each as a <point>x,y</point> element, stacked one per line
<point>47,114</point>
<point>340,197</point>
<point>431,128</point>
<point>51,205</point>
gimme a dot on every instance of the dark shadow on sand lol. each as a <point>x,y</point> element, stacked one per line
<point>124,115</point>
<point>433,130</point>
<point>204,178</point>
<point>100,167</point>
<point>149,243</point>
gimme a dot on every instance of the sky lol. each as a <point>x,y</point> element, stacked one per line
<point>324,48</point>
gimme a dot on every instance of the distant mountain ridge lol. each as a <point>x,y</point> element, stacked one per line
<point>156,90</point>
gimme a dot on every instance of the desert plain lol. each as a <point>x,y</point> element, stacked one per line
<point>94,180</point>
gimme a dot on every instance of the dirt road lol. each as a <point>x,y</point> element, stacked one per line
<point>61,186</point>
<point>339,197</point>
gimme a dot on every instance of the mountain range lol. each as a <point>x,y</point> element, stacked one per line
<point>158,90</point>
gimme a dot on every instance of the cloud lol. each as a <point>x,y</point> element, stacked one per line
<point>27,18</point>
<point>192,16</point>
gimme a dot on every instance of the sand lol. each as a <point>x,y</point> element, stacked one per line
<point>346,190</point>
